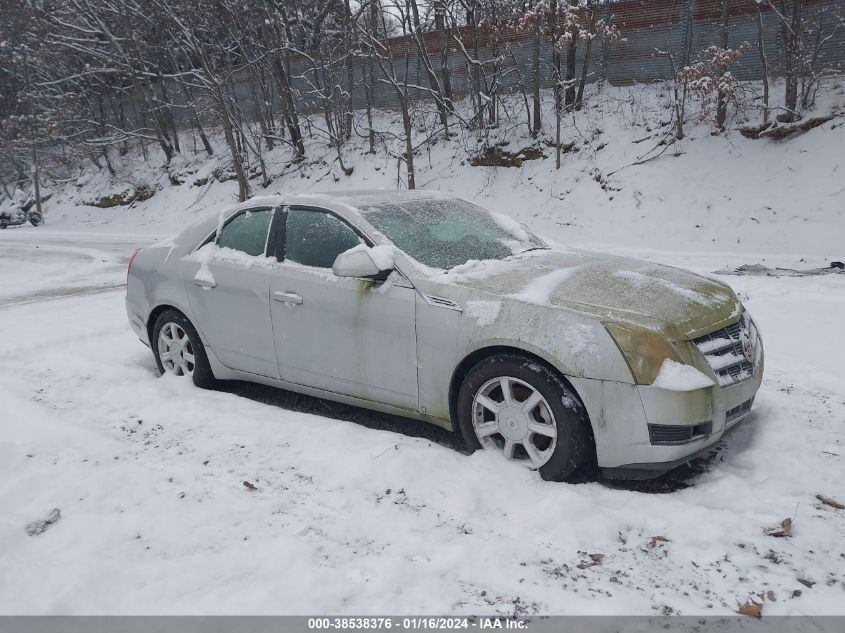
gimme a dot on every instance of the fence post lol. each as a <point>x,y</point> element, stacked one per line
<point>686,33</point>
<point>604,45</point>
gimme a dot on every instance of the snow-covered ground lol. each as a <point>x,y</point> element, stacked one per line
<point>359,513</point>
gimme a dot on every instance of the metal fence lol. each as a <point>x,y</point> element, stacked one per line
<point>652,30</point>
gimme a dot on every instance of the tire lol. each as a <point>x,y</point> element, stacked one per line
<point>557,410</point>
<point>3,226</point>
<point>34,219</point>
<point>190,358</point>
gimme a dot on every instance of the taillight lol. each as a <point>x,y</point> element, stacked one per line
<point>131,259</point>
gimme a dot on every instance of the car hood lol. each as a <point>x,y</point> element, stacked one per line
<point>609,287</point>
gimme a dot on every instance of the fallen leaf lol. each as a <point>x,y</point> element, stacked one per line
<point>39,527</point>
<point>249,485</point>
<point>833,503</point>
<point>751,609</point>
<point>771,596</point>
<point>595,559</point>
<point>784,530</point>
<point>657,539</point>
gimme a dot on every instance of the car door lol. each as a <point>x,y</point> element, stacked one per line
<point>228,284</point>
<point>350,336</point>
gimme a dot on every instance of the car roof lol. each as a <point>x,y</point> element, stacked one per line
<point>363,198</point>
<point>358,199</point>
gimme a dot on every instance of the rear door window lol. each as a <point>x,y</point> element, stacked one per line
<point>247,232</point>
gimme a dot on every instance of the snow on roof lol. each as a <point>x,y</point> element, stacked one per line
<point>364,198</point>
<point>351,199</point>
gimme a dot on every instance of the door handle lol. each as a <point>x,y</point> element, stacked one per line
<point>287,297</point>
<point>205,283</point>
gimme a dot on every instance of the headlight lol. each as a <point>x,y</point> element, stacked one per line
<point>644,350</point>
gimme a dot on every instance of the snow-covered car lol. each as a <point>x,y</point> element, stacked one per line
<point>431,307</point>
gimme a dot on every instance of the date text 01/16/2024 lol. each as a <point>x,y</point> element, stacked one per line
<point>416,623</point>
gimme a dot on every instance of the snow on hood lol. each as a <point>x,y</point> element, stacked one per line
<point>610,287</point>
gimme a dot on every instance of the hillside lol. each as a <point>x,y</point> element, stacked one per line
<point>706,193</point>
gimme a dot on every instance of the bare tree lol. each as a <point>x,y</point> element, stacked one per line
<point>535,70</point>
<point>423,58</point>
<point>764,63</point>
<point>440,12</point>
<point>722,98</point>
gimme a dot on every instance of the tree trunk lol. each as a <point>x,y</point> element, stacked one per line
<point>535,75</point>
<point>764,65</point>
<point>168,114</point>
<point>475,66</point>
<point>257,109</point>
<point>350,77</point>
<point>370,78</point>
<point>189,99</point>
<point>409,144</point>
<point>585,66</point>
<point>792,54</point>
<point>440,25</point>
<point>429,70</point>
<point>291,116</point>
<point>721,99</point>
<point>368,99</point>
<point>556,89</point>
<point>229,133</point>
<point>571,50</point>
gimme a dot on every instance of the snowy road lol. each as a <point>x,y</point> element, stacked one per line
<point>350,516</point>
<point>38,265</point>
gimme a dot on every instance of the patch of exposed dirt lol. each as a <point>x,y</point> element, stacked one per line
<point>497,157</point>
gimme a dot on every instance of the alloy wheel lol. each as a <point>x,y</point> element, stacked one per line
<point>511,416</point>
<point>175,350</point>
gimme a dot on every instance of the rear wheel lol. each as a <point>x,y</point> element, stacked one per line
<point>178,349</point>
<point>525,411</point>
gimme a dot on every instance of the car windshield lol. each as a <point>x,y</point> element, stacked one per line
<point>448,232</point>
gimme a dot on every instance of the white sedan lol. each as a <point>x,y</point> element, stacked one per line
<point>432,307</point>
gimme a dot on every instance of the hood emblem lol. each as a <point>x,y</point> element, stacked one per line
<point>747,344</point>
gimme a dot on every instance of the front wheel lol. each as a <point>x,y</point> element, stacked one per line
<point>35,219</point>
<point>524,410</point>
<point>178,349</point>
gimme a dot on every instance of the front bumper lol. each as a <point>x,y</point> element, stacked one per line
<point>625,418</point>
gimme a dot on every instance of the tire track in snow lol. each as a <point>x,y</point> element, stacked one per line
<point>52,294</point>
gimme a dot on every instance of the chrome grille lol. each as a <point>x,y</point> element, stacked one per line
<point>732,351</point>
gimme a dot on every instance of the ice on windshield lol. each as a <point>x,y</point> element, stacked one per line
<point>447,232</point>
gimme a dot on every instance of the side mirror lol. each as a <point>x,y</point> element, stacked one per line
<point>356,262</point>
